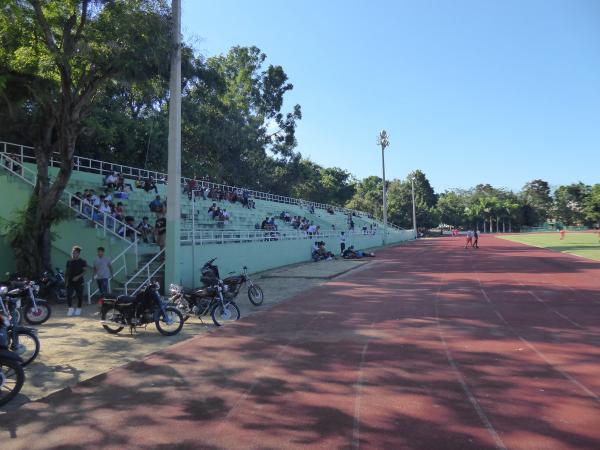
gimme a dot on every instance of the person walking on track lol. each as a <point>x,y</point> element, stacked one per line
<point>469,238</point>
<point>475,239</point>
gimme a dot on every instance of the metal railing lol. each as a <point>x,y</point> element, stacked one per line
<point>85,164</point>
<point>148,275</point>
<point>199,237</point>
<point>121,262</point>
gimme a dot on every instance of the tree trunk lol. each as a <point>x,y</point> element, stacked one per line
<point>33,247</point>
<point>504,225</point>
<point>509,225</point>
<point>491,225</point>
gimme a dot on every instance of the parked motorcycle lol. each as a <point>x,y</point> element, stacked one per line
<point>201,302</point>
<point>52,286</point>
<point>234,283</point>
<point>210,273</point>
<point>146,307</point>
<point>12,375</point>
<point>21,340</point>
<point>35,310</point>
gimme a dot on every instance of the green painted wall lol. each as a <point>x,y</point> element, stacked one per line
<point>259,256</point>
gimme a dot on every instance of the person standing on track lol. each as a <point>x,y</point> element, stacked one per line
<point>475,239</point>
<point>469,238</point>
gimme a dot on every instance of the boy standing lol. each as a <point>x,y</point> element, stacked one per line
<point>102,271</point>
<point>74,279</point>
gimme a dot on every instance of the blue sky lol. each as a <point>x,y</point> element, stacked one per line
<point>470,92</point>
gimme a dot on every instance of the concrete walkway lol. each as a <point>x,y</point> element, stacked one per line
<point>75,349</point>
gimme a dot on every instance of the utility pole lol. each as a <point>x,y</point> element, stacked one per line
<point>412,182</point>
<point>384,141</point>
<point>173,241</point>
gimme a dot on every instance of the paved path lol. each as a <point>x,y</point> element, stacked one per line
<point>431,346</point>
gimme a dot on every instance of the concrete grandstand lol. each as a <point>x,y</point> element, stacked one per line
<point>236,241</point>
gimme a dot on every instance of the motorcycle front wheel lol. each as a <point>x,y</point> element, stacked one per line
<point>37,315</point>
<point>12,378</point>
<point>224,313</point>
<point>255,295</point>
<point>108,319</point>
<point>171,322</point>
<point>28,347</point>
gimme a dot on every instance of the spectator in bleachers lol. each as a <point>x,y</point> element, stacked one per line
<point>157,206</point>
<point>145,229</point>
<point>192,185</point>
<point>111,180</point>
<point>119,211</point>
<point>150,184</point>
<point>211,211</point>
<point>312,229</point>
<point>265,224</point>
<point>128,229</point>
<point>95,200</point>
<point>76,200</point>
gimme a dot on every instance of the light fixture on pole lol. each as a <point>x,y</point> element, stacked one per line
<point>383,141</point>
<point>412,182</point>
<point>173,241</point>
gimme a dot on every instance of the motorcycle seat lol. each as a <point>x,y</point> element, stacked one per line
<point>125,299</point>
<point>189,291</point>
<point>233,279</point>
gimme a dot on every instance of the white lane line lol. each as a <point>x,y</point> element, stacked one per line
<point>539,353</point>
<point>572,322</point>
<point>474,403</point>
<point>358,398</point>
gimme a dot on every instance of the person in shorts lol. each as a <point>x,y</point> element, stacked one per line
<point>469,238</point>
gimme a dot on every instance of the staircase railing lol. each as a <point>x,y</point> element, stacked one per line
<point>145,268</point>
<point>120,261</point>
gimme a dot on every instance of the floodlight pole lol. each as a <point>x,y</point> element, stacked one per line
<point>412,182</point>
<point>173,241</point>
<point>383,141</point>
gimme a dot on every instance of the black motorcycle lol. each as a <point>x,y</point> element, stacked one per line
<point>21,340</point>
<point>12,375</point>
<point>232,285</point>
<point>52,286</point>
<point>146,307</point>
<point>200,302</point>
<point>35,310</point>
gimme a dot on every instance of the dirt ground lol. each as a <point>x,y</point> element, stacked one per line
<point>74,349</point>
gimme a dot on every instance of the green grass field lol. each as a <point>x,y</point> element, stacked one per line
<point>580,244</point>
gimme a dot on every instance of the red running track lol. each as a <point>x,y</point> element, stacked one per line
<point>430,347</point>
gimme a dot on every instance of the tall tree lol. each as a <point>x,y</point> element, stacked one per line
<point>591,206</point>
<point>536,195</point>
<point>54,57</point>
<point>569,202</point>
